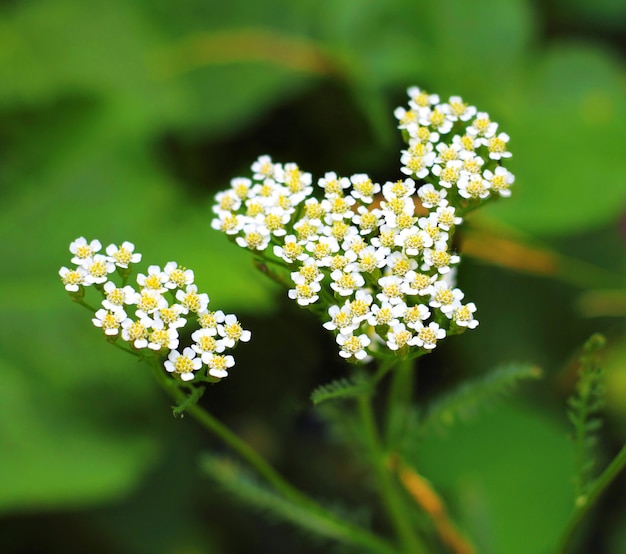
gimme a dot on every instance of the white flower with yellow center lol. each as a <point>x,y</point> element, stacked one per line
<point>446,298</point>
<point>427,337</point>
<point>73,279</point>
<point>256,237</point>
<point>344,284</point>
<point>482,126</point>
<point>205,341</point>
<point>415,315</point>
<point>228,223</point>
<point>209,320</point>
<point>399,336</point>
<point>367,221</point>
<point>463,316</point>
<point>323,250</point>
<point>360,306</point>
<point>264,168</point>
<point>226,201</point>
<point>439,258</point>
<point>430,196</point>
<point>307,229</point>
<point>84,250</point>
<point>448,173</point>
<point>116,297</point>
<point>191,300</point>
<point>304,293</point>
<point>218,364</point>
<point>500,180</point>
<point>290,250</point>
<point>98,269</point>
<point>109,321</point>
<point>136,332</point>
<point>457,109</point>
<point>419,98</point>
<point>333,185</point>
<point>162,338</point>
<point>473,187</point>
<point>385,314</point>
<point>369,260</point>
<point>153,280</point>
<point>415,284</point>
<point>399,189</point>
<point>176,277</point>
<point>309,272</point>
<point>341,320</point>
<point>183,364</point>
<point>170,316</point>
<point>124,255</point>
<point>497,146</point>
<point>446,218</point>
<point>413,241</point>
<point>353,346</point>
<point>232,332</point>
<point>241,187</point>
<point>363,189</point>
<point>391,289</point>
<point>400,264</point>
<point>148,302</point>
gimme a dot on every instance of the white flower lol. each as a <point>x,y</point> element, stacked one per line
<point>304,293</point>
<point>391,289</point>
<point>256,237</point>
<point>176,277</point>
<point>417,284</point>
<point>226,201</point>
<point>333,185</point>
<point>400,264</point>
<point>419,166</point>
<point>191,301</point>
<point>136,332</point>
<point>413,240</point>
<point>341,320</point>
<point>147,302</point>
<point>123,255</point>
<point>84,250</point>
<point>323,249</point>
<point>228,223</point>
<point>427,337</point>
<point>399,189</point>
<point>161,337</point>
<point>210,320</point>
<point>414,315</point>
<point>218,364</point>
<point>500,180</point>
<point>448,173</point>
<point>291,250</point>
<point>344,284</point>
<point>353,346</point>
<point>497,146</point>
<point>241,187</point>
<point>385,314</point>
<point>232,331</point>
<point>205,341</point>
<point>440,258</point>
<point>370,259</point>
<point>337,208</point>
<point>482,126</point>
<point>117,297</point>
<point>463,316</point>
<point>399,336</point>
<point>446,298</point>
<point>360,306</point>
<point>109,321</point>
<point>183,364</point>
<point>367,220</point>
<point>153,281</point>
<point>446,217</point>
<point>264,168</point>
<point>169,316</point>
<point>274,221</point>
<point>363,189</point>
<point>73,279</point>
<point>457,109</point>
<point>421,99</point>
<point>473,186</point>
<point>437,119</point>
<point>430,196</point>
<point>98,269</point>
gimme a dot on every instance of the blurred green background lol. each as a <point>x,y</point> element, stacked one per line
<point>120,121</point>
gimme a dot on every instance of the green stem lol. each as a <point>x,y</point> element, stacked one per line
<point>342,530</point>
<point>585,503</point>
<point>391,494</point>
<point>399,401</point>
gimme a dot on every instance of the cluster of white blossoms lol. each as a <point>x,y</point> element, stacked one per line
<point>377,259</point>
<point>152,316</point>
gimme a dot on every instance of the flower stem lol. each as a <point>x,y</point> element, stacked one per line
<point>391,494</point>
<point>585,503</point>
<point>399,400</point>
<point>341,529</point>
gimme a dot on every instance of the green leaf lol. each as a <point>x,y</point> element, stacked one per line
<point>472,397</point>
<point>340,388</point>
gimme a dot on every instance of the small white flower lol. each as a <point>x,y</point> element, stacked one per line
<point>386,314</point>
<point>500,180</point>
<point>440,258</point>
<point>153,280</point>
<point>333,185</point>
<point>264,168</point>
<point>206,342</point>
<point>399,336</point>
<point>446,298</point>
<point>345,284</point>
<point>419,98</point>
<point>446,218</point>
<point>304,293</point>
<point>391,289</point>
<point>323,250</point>
<point>84,250</point>
<point>360,306</point>
<point>161,337</point>
<point>109,321</point>
<point>367,220</point>
<point>98,269</point>
<point>430,196</point>
<point>218,364</point>
<point>191,300</point>
<point>228,223</point>
<point>148,302</point>
<point>176,277</point>
<point>363,189</point>
<point>413,241</point>
<point>136,332</point>
<point>116,297</point>
<point>232,332</point>
<point>73,279</point>
<point>341,320</point>
<point>457,109</point>
<point>497,146</point>
<point>464,316</point>
<point>256,237</point>
<point>417,284</point>
<point>183,364</point>
<point>169,316</point>
<point>482,126</point>
<point>353,346</point>
<point>399,189</point>
<point>123,255</point>
<point>448,173</point>
<point>473,186</point>
<point>427,337</point>
<point>226,201</point>
<point>291,250</point>
<point>414,315</point>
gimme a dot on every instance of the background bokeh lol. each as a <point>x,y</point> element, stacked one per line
<point>120,120</point>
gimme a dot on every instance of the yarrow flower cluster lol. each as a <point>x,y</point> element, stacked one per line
<point>154,317</point>
<point>377,259</point>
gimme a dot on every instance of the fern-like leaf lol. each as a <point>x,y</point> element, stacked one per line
<point>236,481</point>
<point>584,406</point>
<point>341,388</point>
<point>473,396</point>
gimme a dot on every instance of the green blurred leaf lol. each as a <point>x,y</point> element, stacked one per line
<point>503,475</point>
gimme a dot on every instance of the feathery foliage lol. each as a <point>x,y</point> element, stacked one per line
<point>341,388</point>
<point>473,396</point>
<point>584,405</point>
